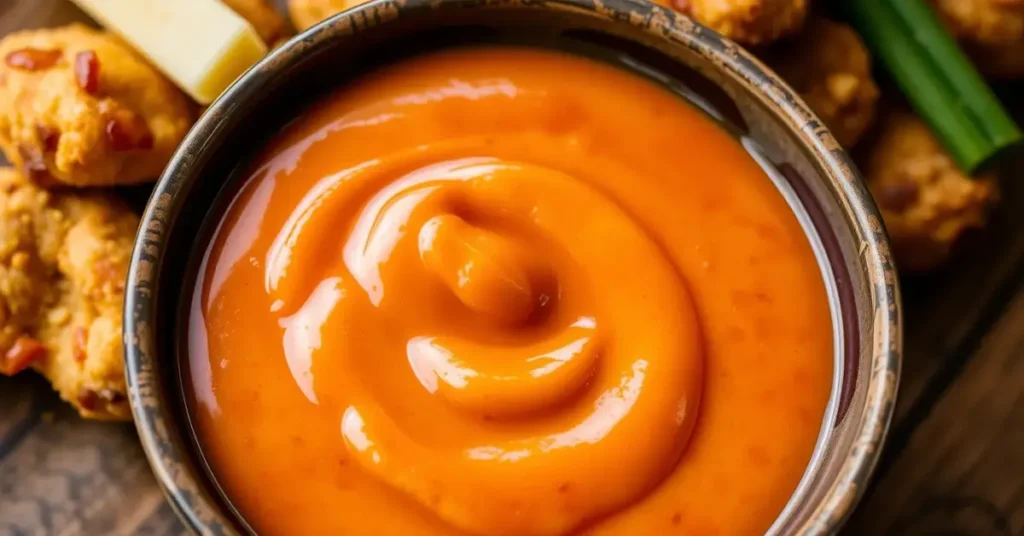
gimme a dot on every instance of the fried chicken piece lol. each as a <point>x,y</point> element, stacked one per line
<point>992,32</point>
<point>926,201</point>
<point>63,263</point>
<point>829,66</point>
<point>79,107</point>
<point>306,13</point>
<point>993,22</point>
<point>748,22</point>
<point>264,18</point>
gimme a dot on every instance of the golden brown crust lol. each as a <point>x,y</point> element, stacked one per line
<point>63,262</point>
<point>749,22</point>
<point>991,31</point>
<point>28,256</point>
<point>57,126</point>
<point>829,66</point>
<point>926,201</point>
<point>993,22</point>
<point>306,13</point>
<point>264,18</point>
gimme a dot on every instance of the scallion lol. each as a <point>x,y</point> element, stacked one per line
<point>937,78</point>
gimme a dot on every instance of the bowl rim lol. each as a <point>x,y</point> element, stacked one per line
<point>168,459</point>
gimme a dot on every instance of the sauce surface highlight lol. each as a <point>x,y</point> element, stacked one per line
<point>514,292</point>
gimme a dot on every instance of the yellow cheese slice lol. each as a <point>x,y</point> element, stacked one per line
<point>200,44</point>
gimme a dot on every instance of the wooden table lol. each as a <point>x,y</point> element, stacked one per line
<point>954,463</point>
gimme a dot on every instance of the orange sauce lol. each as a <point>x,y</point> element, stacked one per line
<point>513,292</point>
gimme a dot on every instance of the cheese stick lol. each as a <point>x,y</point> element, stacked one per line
<point>200,44</point>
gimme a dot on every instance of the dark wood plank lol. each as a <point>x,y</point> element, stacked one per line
<point>962,471</point>
<point>18,410</point>
<point>73,477</point>
<point>947,312</point>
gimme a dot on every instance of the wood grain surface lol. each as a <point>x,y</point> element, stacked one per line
<point>962,471</point>
<point>954,463</point>
<point>62,475</point>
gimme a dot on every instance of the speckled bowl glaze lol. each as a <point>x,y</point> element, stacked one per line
<point>799,154</point>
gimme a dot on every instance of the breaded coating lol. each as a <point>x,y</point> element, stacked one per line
<point>748,22</point>
<point>264,18</point>
<point>63,263</point>
<point>306,13</point>
<point>994,22</point>
<point>991,31</point>
<point>829,66</point>
<point>79,107</point>
<point>926,201</point>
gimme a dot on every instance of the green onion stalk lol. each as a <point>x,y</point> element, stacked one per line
<point>937,78</point>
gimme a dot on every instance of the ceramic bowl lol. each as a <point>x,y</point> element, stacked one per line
<point>797,151</point>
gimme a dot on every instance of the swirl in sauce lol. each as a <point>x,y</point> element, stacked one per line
<point>455,298</point>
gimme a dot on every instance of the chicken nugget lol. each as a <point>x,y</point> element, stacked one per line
<point>993,22</point>
<point>63,263</point>
<point>264,18</point>
<point>927,202</point>
<point>748,22</point>
<point>79,107</point>
<point>991,31</point>
<point>306,13</point>
<point>829,66</point>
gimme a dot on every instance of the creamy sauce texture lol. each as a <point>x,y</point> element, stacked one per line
<point>514,292</point>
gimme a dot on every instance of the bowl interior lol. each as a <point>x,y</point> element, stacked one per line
<point>791,145</point>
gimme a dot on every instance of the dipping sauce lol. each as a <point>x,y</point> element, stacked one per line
<point>508,291</point>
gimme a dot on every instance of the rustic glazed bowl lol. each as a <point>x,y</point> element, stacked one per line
<point>797,152</point>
